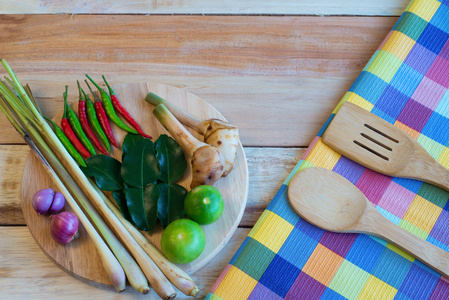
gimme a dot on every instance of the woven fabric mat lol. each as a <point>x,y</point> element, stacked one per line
<point>406,83</point>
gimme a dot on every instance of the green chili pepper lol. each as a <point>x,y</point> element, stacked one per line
<point>93,120</point>
<point>67,144</point>
<point>109,108</point>
<point>78,129</point>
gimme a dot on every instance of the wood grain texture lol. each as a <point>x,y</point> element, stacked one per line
<point>283,7</point>
<point>252,69</point>
<point>268,168</point>
<point>23,262</point>
<point>12,161</point>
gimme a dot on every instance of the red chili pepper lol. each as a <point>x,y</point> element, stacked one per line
<point>69,132</point>
<point>103,118</point>
<point>104,122</point>
<point>84,122</point>
<point>123,112</point>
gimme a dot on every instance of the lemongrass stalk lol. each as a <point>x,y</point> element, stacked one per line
<point>17,104</point>
<point>176,275</point>
<point>13,84</point>
<point>132,270</point>
<point>154,275</point>
<point>30,94</point>
<point>27,103</point>
<point>157,280</point>
<point>113,268</point>
<point>19,89</point>
<point>3,108</point>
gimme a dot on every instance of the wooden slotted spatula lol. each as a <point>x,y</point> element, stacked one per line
<point>380,146</point>
<point>330,201</point>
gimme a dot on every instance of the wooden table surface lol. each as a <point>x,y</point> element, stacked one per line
<point>276,69</point>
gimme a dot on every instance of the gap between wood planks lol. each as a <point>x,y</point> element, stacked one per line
<point>211,7</point>
<point>224,15</point>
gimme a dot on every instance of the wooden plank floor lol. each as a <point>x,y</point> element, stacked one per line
<point>275,69</point>
<point>252,69</point>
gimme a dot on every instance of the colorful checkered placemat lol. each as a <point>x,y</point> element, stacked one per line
<point>406,82</point>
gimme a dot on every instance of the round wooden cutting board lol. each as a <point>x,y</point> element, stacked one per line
<point>80,257</point>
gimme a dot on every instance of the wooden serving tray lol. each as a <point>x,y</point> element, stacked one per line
<point>80,258</point>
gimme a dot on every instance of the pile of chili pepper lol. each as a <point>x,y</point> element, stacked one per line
<point>122,111</point>
<point>79,136</point>
<point>112,104</point>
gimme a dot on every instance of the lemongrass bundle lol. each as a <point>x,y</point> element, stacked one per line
<point>22,119</point>
<point>21,110</point>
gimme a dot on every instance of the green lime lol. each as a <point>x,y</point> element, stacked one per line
<point>183,241</point>
<point>204,204</point>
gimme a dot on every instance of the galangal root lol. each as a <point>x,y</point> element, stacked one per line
<point>216,132</point>
<point>207,161</point>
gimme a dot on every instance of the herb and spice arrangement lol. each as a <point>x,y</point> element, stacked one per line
<point>146,183</point>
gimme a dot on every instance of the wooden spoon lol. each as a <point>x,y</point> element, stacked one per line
<point>380,146</point>
<point>329,201</point>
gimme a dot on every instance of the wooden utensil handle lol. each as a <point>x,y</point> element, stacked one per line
<point>439,176</point>
<point>424,167</point>
<point>431,255</point>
